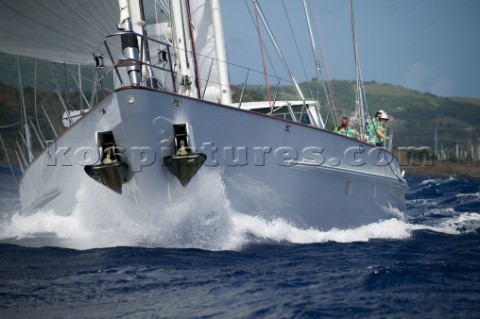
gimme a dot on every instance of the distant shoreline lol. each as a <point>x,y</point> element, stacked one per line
<point>444,169</point>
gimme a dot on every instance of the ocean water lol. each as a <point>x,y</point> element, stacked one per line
<point>108,260</point>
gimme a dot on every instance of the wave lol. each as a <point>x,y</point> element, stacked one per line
<point>438,181</point>
<point>71,232</point>
<point>281,231</point>
<point>101,218</point>
<point>447,220</point>
<point>244,229</point>
<point>201,219</point>
<point>463,223</point>
<point>469,196</point>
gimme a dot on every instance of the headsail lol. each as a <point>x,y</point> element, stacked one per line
<point>56,30</point>
<point>69,30</point>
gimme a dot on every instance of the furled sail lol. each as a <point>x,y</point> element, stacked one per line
<point>211,51</point>
<point>56,30</point>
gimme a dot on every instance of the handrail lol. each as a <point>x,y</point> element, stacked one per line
<point>117,60</point>
<point>164,69</point>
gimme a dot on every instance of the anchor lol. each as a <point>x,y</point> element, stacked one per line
<point>111,172</point>
<point>185,163</point>
<point>111,175</point>
<point>184,167</point>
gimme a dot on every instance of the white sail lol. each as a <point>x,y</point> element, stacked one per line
<point>211,51</point>
<point>55,30</point>
<point>67,31</point>
<point>208,51</point>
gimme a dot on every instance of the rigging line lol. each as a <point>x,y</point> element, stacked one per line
<point>35,100</point>
<point>315,52</point>
<point>354,35</point>
<point>263,56</point>
<point>35,87</point>
<point>23,113</point>
<point>26,127</point>
<point>272,66</point>
<point>11,125</point>
<point>55,80</point>
<point>8,160</point>
<point>279,51</point>
<point>66,81</point>
<point>296,46</point>
<point>156,17</point>
<point>324,55</point>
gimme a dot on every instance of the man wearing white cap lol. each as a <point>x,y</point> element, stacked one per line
<point>376,129</point>
<point>381,129</point>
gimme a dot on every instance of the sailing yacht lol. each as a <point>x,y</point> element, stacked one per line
<point>171,115</point>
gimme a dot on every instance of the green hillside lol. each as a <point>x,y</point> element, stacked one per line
<point>416,115</point>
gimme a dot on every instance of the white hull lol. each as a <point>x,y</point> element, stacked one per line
<point>347,190</point>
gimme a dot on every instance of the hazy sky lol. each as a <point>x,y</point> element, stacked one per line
<point>427,45</point>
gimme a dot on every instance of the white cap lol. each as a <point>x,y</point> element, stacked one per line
<point>384,116</point>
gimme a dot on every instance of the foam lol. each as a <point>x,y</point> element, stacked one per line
<point>437,181</point>
<point>279,230</point>
<point>472,196</point>
<point>101,218</point>
<point>201,218</point>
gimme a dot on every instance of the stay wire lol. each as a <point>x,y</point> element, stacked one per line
<point>11,125</point>
<point>297,48</point>
<point>272,66</point>
<point>325,61</point>
<point>263,56</point>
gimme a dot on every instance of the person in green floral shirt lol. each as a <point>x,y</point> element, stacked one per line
<point>343,129</point>
<point>376,129</point>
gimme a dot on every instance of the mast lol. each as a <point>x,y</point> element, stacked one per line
<point>139,22</point>
<point>130,46</point>
<point>185,60</point>
<point>360,100</point>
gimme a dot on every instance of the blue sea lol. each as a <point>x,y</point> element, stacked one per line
<point>107,260</point>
